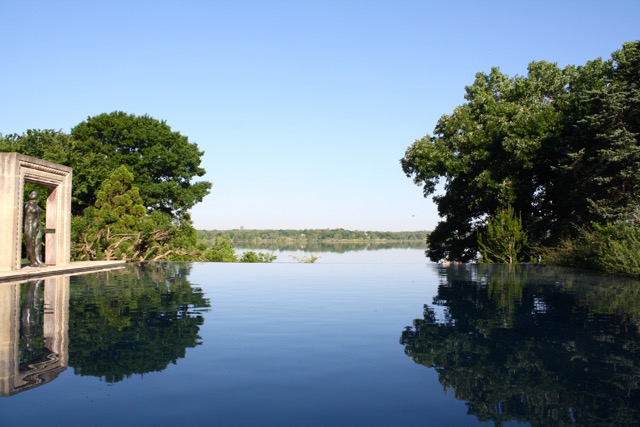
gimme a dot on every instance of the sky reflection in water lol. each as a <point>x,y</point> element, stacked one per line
<point>403,342</point>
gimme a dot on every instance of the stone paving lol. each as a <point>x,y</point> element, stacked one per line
<point>73,268</point>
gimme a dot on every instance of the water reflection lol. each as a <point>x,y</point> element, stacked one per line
<point>33,333</point>
<point>110,325</point>
<point>133,321</point>
<point>335,247</point>
<point>525,344</point>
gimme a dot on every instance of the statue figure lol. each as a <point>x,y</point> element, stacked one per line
<point>33,229</point>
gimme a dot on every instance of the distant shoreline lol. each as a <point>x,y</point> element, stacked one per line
<point>330,236</point>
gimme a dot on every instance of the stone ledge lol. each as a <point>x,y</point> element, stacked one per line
<point>31,273</point>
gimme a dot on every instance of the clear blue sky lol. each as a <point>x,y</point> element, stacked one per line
<point>303,108</point>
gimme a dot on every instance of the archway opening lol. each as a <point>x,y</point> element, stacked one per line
<point>18,170</point>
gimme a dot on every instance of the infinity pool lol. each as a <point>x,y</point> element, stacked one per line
<point>358,343</point>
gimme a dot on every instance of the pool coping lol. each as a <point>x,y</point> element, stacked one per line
<point>73,268</point>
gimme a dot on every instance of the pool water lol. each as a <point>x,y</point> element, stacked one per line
<point>359,343</point>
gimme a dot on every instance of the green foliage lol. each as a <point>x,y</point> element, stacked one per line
<point>610,248</point>
<point>164,162</point>
<point>221,251</point>
<point>251,256</point>
<point>613,126</point>
<point>118,227</point>
<point>579,251</point>
<point>504,241</point>
<point>620,251</point>
<point>117,202</point>
<point>486,152</point>
<point>106,231</point>
<point>558,145</point>
<point>51,145</point>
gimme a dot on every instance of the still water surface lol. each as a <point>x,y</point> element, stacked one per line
<point>374,340</point>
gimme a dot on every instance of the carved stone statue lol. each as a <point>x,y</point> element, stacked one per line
<point>33,229</point>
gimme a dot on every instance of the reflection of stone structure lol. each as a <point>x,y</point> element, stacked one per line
<point>17,322</point>
<point>15,170</point>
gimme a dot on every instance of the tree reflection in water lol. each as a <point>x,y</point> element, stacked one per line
<point>133,321</point>
<point>536,345</point>
<point>335,247</point>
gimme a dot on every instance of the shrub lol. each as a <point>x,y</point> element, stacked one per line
<point>612,249</point>
<point>251,256</point>
<point>504,241</point>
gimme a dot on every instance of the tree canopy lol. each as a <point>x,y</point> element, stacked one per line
<point>164,162</point>
<point>558,145</point>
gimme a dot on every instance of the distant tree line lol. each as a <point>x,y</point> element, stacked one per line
<point>539,166</point>
<point>310,236</point>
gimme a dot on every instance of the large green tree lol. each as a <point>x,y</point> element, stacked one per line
<point>163,161</point>
<point>611,126</point>
<point>560,146</point>
<point>485,154</point>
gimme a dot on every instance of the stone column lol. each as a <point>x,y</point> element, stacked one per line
<point>10,212</point>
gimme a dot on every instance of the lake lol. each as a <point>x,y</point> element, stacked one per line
<point>365,338</point>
